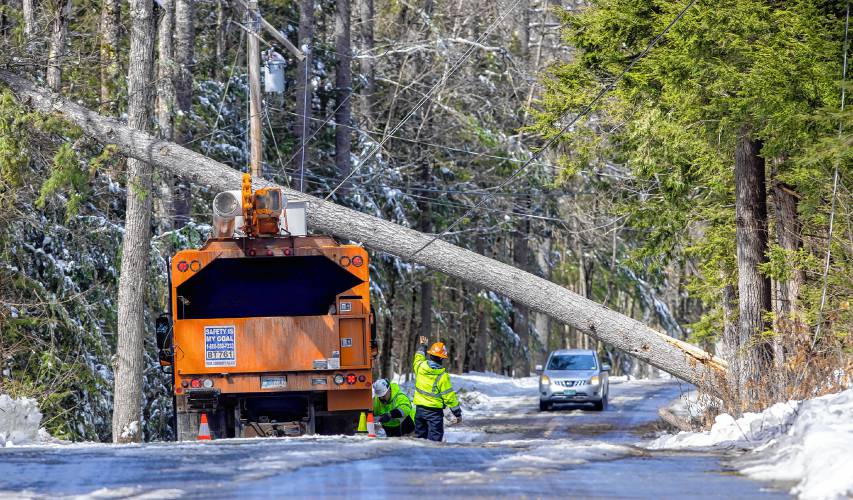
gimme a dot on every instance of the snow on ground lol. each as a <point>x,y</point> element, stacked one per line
<point>19,421</point>
<point>809,443</point>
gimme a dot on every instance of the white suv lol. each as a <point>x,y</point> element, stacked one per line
<point>573,376</point>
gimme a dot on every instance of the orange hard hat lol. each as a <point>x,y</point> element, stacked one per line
<point>438,349</point>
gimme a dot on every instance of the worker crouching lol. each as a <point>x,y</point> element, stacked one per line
<point>433,391</point>
<point>393,409</point>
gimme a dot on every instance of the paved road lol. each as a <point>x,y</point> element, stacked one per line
<point>513,451</point>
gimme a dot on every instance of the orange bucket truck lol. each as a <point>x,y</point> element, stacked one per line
<point>270,330</point>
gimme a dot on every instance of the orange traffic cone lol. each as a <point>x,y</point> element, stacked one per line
<point>371,427</point>
<point>204,429</point>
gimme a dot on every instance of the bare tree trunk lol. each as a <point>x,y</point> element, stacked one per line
<point>789,237</point>
<point>524,29</point>
<point>543,322</point>
<point>367,66</point>
<point>166,98</point>
<point>388,330</point>
<point>751,234</point>
<point>679,358</point>
<point>220,40</point>
<point>29,13</point>
<point>343,84</point>
<point>480,343</point>
<point>110,69</point>
<point>129,359</point>
<point>184,47</point>
<point>729,346</point>
<point>59,34</point>
<point>521,315</point>
<point>302,123</point>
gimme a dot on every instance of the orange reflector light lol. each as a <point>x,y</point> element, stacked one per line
<point>357,261</point>
<point>344,261</point>
<point>195,266</point>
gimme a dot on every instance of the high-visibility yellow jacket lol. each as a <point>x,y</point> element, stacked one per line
<point>398,401</point>
<point>432,385</point>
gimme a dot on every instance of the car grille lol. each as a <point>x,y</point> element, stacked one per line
<point>570,383</point>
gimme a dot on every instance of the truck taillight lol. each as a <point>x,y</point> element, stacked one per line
<point>357,261</point>
<point>195,384</point>
<point>183,266</point>
<point>351,378</point>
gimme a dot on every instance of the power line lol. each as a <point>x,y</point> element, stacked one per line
<point>563,130</point>
<point>424,99</point>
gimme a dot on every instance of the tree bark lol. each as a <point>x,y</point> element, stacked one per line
<point>425,224</point>
<point>480,342</point>
<point>129,359</point>
<point>521,315</point>
<point>388,330</point>
<point>751,234</point>
<point>343,84</point>
<point>28,9</point>
<point>166,75</point>
<point>58,38</point>
<point>110,69</point>
<point>184,46</point>
<point>543,322</point>
<point>789,237</point>
<point>366,61</point>
<point>221,29</point>
<point>679,358</point>
<point>302,123</point>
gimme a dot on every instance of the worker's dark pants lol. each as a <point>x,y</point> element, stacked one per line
<point>429,423</point>
<point>404,429</point>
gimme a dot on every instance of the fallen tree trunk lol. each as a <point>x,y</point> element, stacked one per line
<point>678,358</point>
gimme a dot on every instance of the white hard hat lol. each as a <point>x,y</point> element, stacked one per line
<point>381,388</point>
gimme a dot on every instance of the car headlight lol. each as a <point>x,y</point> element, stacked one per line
<point>545,381</point>
<point>594,380</point>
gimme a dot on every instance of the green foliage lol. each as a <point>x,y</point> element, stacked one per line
<point>766,67</point>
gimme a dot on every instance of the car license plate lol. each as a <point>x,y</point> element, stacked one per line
<point>273,382</point>
<point>569,392</point>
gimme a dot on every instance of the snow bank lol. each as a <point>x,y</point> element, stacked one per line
<point>809,443</point>
<point>19,421</point>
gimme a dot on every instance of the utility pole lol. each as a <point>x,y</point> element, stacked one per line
<point>254,63</point>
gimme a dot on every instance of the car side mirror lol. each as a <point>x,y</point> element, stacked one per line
<point>538,368</point>
<point>605,367</point>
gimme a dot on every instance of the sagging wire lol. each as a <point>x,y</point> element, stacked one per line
<point>563,130</point>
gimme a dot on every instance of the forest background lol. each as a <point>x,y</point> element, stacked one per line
<point>697,197</point>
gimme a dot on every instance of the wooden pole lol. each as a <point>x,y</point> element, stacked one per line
<point>276,34</point>
<point>254,63</point>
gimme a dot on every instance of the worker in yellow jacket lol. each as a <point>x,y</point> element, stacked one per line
<point>433,391</point>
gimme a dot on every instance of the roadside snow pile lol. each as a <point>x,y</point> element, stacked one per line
<point>490,390</point>
<point>809,443</point>
<point>19,421</point>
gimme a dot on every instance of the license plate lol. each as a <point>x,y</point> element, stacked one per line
<point>569,392</point>
<point>273,382</point>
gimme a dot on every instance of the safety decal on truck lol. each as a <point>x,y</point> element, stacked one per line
<point>219,346</point>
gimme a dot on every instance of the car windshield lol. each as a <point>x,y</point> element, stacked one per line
<point>572,362</point>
